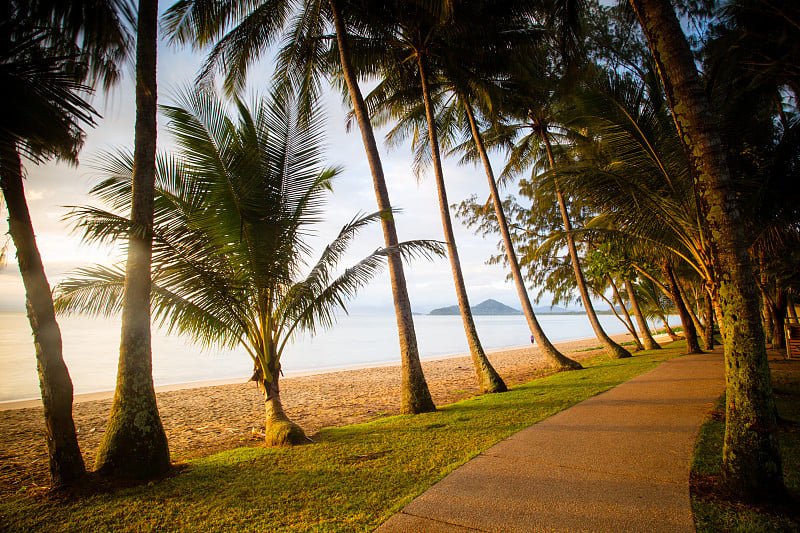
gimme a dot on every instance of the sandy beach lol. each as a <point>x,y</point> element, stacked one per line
<point>203,418</point>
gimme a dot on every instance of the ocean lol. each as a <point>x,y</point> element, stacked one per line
<point>91,347</point>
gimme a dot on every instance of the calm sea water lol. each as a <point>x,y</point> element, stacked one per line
<point>91,348</point>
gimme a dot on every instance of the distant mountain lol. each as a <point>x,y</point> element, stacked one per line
<point>487,307</point>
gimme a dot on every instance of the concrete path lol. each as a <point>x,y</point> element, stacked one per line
<point>616,462</point>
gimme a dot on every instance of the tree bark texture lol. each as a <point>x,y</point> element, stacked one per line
<point>134,444</point>
<point>554,357</point>
<point>649,342</point>
<point>64,456</point>
<point>751,457</point>
<point>415,395</point>
<point>689,331</point>
<point>614,350</point>
<point>488,378</point>
<point>708,334</point>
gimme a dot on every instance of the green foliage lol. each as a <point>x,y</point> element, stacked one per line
<point>233,210</point>
<point>349,479</point>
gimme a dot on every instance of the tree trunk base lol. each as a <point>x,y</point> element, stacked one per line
<point>616,351</point>
<point>284,433</point>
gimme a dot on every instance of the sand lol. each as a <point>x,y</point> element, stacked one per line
<point>200,420</point>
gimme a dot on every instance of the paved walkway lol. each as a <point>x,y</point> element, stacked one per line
<point>616,462</point>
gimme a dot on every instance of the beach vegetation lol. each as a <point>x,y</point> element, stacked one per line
<point>424,39</point>
<point>349,478</point>
<point>240,32</point>
<point>467,61</point>
<point>235,206</point>
<point>50,56</point>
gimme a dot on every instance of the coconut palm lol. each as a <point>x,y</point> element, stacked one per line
<point>465,81</point>
<point>751,457</point>
<point>533,128</point>
<point>233,209</point>
<point>307,55</point>
<point>134,444</point>
<point>48,54</point>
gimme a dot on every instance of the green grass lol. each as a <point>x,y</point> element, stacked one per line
<point>715,511</point>
<point>350,479</point>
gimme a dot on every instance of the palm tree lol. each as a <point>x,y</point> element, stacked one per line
<point>233,208</point>
<point>751,457</point>
<point>46,54</point>
<point>418,32</point>
<point>536,102</point>
<point>134,444</point>
<point>253,27</point>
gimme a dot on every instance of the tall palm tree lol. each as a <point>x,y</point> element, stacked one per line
<point>303,60</point>
<point>47,53</point>
<point>535,101</point>
<point>134,444</point>
<point>751,457</point>
<point>418,32</point>
<point>233,208</point>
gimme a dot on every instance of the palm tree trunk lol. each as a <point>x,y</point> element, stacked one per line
<point>751,457</point>
<point>279,430</point>
<point>488,379</point>
<point>134,444</point>
<point>649,342</point>
<point>628,321</point>
<point>698,326</point>
<point>415,396</point>
<point>64,455</point>
<point>615,351</point>
<point>689,332</point>
<point>708,336</point>
<point>554,357</point>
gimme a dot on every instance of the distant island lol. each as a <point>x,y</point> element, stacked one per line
<point>486,307</point>
<point>493,307</point>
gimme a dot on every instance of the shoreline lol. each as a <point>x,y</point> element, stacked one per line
<point>203,418</point>
<point>170,387</point>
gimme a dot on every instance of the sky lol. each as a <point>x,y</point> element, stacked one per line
<point>51,187</point>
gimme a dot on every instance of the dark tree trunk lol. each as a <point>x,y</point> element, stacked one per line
<point>698,326</point>
<point>614,350</point>
<point>649,342</point>
<point>554,358</point>
<point>134,444</point>
<point>689,331</point>
<point>708,334</point>
<point>66,462</point>
<point>415,396</point>
<point>778,312</point>
<point>751,456</point>
<point>628,321</point>
<point>488,378</point>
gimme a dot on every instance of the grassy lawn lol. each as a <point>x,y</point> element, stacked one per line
<point>713,509</point>
<point>350,479</point>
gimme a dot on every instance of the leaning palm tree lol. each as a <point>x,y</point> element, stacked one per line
<point>48,54</point>
<point>751,456</point>
<point>233,209</point>
<point>241,31</point>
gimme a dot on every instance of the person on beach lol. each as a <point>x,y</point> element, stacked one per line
<point>533,341</point>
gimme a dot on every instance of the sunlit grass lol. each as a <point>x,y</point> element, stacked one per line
<point>350,479</point>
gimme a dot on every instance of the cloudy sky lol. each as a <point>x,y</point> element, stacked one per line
<point>51,187</point>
